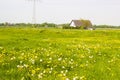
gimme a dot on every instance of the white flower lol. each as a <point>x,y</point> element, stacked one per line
<point>18,66</point>
<point>32,61</point>
<point>59,59</point>
<point>71,66</point>
<point>76,65</point>
<point>71,59</point>
<point>70,62</point>
<point>63,67</point>
<point>25,65</point>
<point>21,62</point>
<point>13,58</point>
<point>66,71</point>
<point>50,72</point>
<point>67,79</point>
<point>41,73</point>
<point>50,58</point>
<point>41,60</point>
<point>39,76</point>
<point>51,68</point>
<point>75,78</point>
<point>91,57</point>
<point>62,72</point>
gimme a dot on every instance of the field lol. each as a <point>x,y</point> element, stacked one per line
<point>59,54</point>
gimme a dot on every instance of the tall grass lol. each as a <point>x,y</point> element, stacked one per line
<point>59,54</point>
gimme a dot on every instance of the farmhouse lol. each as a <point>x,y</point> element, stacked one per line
<point>75,23</point>
<point>85,24</point>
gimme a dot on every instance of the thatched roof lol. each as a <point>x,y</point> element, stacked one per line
<point>77,23</point>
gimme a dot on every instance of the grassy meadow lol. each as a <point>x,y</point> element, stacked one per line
<point>59,54</point>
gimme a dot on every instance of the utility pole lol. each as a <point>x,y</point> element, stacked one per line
<point>34,12</point>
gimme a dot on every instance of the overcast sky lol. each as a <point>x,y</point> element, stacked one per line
<point>61,11</point>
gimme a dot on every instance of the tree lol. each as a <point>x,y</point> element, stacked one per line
<point>86,23</point>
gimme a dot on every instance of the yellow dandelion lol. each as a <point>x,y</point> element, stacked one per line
<point>33,72</point>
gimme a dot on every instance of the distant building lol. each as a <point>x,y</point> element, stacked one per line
<point>85,24</point>
<point>75,23</point>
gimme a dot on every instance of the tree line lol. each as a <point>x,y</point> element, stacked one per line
<point>27,25</point>
<point>47,25</point>
<point>105,26</point>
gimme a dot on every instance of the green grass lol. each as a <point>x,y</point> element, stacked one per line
<point>59,54</point>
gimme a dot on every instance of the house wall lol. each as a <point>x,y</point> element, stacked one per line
<point>72,24</point>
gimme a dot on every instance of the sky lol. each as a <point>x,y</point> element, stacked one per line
<point>99,12</point>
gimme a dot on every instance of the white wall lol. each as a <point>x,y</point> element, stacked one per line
<point>72,24</point>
